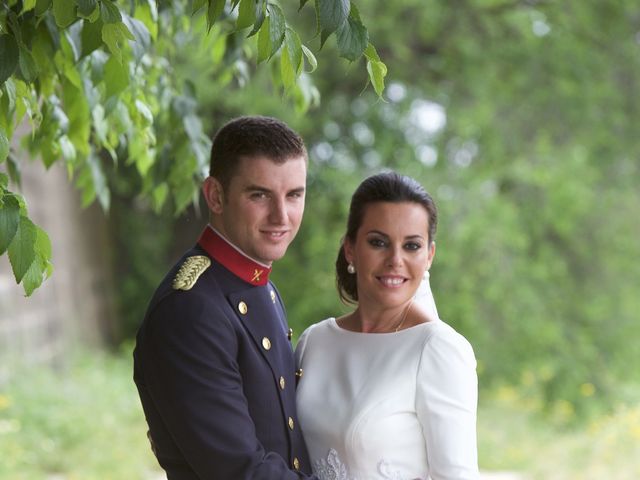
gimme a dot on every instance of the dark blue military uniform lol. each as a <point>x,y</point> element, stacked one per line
<point>215,371</point>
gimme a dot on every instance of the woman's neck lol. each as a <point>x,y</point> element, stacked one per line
<point>368,319</point>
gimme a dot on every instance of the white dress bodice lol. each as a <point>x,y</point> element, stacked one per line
<point>392,406</point>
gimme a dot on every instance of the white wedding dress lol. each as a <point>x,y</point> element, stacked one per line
<point>388,406</point>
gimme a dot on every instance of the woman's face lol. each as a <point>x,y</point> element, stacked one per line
<point>391,252</point>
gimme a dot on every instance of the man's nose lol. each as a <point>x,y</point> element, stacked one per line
<point>278,213</point>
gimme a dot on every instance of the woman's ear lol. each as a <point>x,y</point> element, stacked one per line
<point>432,253</point>
<point>213,195</point>
<point>347,246</point>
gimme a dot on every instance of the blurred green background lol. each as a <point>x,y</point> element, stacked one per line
<point>521,119</point>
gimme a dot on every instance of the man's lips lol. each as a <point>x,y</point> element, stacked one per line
<point>275,234</point>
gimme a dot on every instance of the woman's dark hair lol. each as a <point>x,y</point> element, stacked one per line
<point>252,136</point>
<point>383,187</point>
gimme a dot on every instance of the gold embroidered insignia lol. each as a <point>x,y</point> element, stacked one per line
<point>190,271</point>
<point>256,275</point>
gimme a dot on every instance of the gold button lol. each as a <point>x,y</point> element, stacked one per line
<point>296,463</point>
<point>282,383</point>
<point>266,343</point>
<point>291,423</point>
<point>273,296</point>
<point>299,373</point>
<point>242,308</point>
<point>290,333</point>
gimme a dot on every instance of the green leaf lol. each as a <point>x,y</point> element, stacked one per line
<point>264,42</point>
<point>4,183</point>
<point>86,7</point>
<point>116,76</point>
<point>371,53</point>
<point>41,267</point>
<point>67,148</point>
<point>42,6</point>
<point>246,14</point>
<point>22,248</point>
<point>302,4</point>
<point>91,36</point>
<point>294,48</point>
<point>159,196</point>
<point>287,70</point>
<point>77,108</point>
<point>4,147</point>
<point>277,27</point>
<point>197,5</point>
<point>145,112</point>
<point>148,15</point>
<point>115,35</point>
<point>353,37</point>
<point>9,220</point>
<point>311,58</point>
<point>214,11</point>
<point>64,11</point>
<point>9,55</point>
<point>28,5</point>
<point>109,12</point>
<point>261,9</point>
<point>141,34</point>
<point>28,66</point>
<point>376,69</point>
<point>99,181</point>
<point>13,168</point>
<point>331,15</point>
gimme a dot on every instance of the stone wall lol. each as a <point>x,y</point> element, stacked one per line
<point>75,305</point>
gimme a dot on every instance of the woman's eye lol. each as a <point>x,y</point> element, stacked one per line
<point>412,246</point>
<point>376,242</point>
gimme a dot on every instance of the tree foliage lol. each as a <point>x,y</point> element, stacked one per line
<point>519,117</point>
<point>96,82</point>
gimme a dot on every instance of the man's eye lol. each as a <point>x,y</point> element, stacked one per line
<point>258,195</point>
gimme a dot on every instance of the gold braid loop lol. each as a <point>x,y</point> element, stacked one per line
<point>190,271</point>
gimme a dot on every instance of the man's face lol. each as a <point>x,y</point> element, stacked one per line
<point>262,207</point>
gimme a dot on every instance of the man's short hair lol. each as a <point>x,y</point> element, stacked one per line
<point>252,136</point>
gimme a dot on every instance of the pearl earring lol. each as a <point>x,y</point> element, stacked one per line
<point>351,269</point>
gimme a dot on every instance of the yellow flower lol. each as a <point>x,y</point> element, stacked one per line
<point>5,402</point>
<point>587,389</point>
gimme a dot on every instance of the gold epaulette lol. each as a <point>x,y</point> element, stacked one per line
<point>190,271</point>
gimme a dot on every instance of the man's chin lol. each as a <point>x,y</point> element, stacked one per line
<point>272,255</point>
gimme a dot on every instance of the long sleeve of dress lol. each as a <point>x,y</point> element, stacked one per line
<point>446,404</point>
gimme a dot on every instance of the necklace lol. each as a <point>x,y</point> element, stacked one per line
<point>404,315</point>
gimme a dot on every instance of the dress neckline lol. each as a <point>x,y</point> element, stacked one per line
<point>334,324</point>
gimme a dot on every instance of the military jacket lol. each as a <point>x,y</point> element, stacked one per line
<point>214,368</point>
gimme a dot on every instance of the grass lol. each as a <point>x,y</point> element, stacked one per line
<point>516,438</point>
<point>85,422</point>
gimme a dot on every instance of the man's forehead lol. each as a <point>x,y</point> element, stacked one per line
<point>263,171</point>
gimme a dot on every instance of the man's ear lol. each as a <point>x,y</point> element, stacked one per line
<point>213,195</point>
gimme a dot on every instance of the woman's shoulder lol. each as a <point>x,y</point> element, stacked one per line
<point>316,328</point>
<point>444,340</point>
<point>310,335</point>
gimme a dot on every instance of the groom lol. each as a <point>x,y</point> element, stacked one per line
<point>213,362</point>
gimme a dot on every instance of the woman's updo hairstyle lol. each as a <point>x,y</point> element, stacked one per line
<point>382,187</point>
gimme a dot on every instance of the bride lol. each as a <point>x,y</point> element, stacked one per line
<point>388,391</point>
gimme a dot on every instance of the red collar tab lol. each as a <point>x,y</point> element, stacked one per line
<point>233,259</point>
